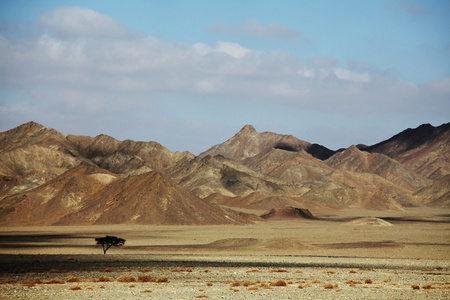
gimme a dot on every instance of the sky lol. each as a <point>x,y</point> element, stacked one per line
<point>191,74</point>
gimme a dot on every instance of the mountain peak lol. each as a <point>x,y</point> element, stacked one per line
<point>248,128</point>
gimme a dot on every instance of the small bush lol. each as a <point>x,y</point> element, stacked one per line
<point>278,271</point>
<point>368,281</point>
<point>316,281</point>
<point>328,286</point>
<point>104,279</point>
<point>54,281</point>
<point>75,288</point>
<point>209,284</point>
<point>236,283</point>
<point>146,278</point>
<point>278,283</point>
<point>352,271</point>
<point>146,291</point>
<point>353,282</point>
<point>73,279</point>
<point>126,278</point>
<point>415,287</point>
<point>254,288</point>
<point>162,279</point>
<point>428,287</point>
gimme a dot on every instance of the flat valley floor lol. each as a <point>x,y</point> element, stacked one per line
<point>328,258</point>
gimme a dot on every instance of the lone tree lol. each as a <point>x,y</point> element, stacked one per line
<point>109,241</point>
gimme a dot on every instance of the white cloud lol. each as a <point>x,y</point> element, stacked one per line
<point>253,27</point>
<point>119,69</point>
<point>70,22</point>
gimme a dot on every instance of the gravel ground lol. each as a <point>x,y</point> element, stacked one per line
<point>220,277</point>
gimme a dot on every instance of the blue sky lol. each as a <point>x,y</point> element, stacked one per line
<point>190,74</point>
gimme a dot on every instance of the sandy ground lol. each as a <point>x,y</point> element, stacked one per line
<point>291,259</point>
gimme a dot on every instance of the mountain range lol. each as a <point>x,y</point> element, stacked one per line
<point>50,178</point>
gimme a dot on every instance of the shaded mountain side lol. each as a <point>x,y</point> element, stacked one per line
<point>208,175</point>
<point>354,160</point>
<point>288,213</point>
<point>150,198</point>
<point>48,203</point>
<point>425,149</point>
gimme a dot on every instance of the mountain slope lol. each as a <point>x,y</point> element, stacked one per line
<point>150,198</point>
<point>425,149</point>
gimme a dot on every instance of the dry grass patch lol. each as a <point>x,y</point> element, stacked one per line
<point>181,270</point>
<point>33,281</point>
<point>201,296</point>
<point>54,281</point>
<point>146,278</point>
<point>73,279</point>
<point>104,279</point>
<point>253,288</point>
<point>107,270</point>
<point>278,271</point>
<point>299,271</point>
<point>254,271</point>
<point>316,281</point>
<point>144,270</point>
<point>9,281</point>
<point>126,278</point>
<point>353,282</point>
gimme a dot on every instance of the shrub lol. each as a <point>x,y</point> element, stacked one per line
<point>328,286</point>
<point>146,291</point>
<point>104,279</point>
<point>278,271</point>
<point>75,288</point>
<point>73,279</point>
<point>415,287</point>
<point>368,281</point>
<point>54,281</point>
<point>278,283</point>
<point>162,279</point>
<point>428,287</point>
<point>146,278</point>
<point>126,278</point>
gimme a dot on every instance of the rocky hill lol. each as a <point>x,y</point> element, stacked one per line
<point>47,177</point>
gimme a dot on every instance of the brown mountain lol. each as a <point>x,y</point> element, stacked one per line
<point>50,202</point>
<point>208,175</point>
<point>150,198</point>
<point>248,143</point>
<point>355,160</point>
<point>425,149</point>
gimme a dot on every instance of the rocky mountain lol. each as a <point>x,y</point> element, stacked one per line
<point>47,177</point>
<point>248,143</point>
<point>425,149</point>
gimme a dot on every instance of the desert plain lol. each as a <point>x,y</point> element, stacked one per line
<point>398,255</point>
